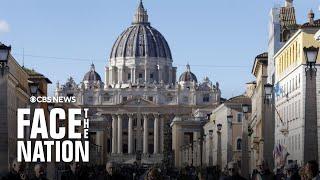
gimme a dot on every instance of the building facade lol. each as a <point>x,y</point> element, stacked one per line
<point>225,145</point>
<point>15,81</point>
<point>261,122</point>
<point>140,96</point>
<point>297,97</point>
<point>282,25</point>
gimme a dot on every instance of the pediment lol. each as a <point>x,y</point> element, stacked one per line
<point>138,101</point>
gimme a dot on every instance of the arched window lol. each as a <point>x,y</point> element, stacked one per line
<point>239,143</point>
<point>206,98</point>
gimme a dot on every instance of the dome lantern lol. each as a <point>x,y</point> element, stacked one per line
<point>141,15</point>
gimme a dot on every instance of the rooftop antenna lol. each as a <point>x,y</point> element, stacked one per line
<point>23,57</point>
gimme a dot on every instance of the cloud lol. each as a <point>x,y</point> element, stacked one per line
<point>4,26</point>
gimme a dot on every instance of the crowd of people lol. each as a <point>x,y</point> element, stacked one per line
<point>114,171</point>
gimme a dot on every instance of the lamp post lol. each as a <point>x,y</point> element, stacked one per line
<point>267,139</point>
<point>311,130</point>
<point>219,158</point>
<point>210,147</point>
<point>33,89</point>
<point>230,138</point>
<point>245,153</point>
<point>4,56</point>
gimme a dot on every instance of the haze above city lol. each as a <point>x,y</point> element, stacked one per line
<point>219,39</point>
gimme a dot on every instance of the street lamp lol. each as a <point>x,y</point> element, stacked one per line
<point>219,126</point>
<point>245,108</point>
<point>210,133</point>
<point>4,55</point>
<point>311,55</point>
<point>33,88</point>
<point>267,92</point>
<point>311,152</point>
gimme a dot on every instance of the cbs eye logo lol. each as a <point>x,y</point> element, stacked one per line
<point>33,99</point>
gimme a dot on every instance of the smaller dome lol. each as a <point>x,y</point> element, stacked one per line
<point>92,75</point>
<point>188,76</point>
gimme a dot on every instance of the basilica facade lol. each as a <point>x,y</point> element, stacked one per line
<point>134,108</point>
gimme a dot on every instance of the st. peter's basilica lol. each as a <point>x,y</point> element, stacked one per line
<point>141,110</point>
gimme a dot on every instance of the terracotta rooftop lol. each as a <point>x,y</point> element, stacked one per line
<point>316,23</point>
<point>288,17</point>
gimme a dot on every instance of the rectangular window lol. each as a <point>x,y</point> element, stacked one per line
<point>134,122</point>
<point>206,98</point>
<point>299,108</point>
<point>106,98</point>
<point>129,76</point>
<point>124,99</point>
<point>151,76</point>
<point>150,98</point>
<point>239,117</point>
<point>140,75</point>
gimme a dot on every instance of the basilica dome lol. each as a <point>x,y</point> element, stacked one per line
<point>141,40</point>
<point>92,75</point>
<point>188,76</point>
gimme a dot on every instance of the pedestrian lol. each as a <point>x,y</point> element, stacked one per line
<point>153,174</point>
<point>312,170</point>
<point>292,172</point>
<point>39,172</point>
<point>233,172</point>
<point>302,173</point>
<point>74,173</point>
<point>263,171</point>
<point>16,172</point>
<point>111,172</point>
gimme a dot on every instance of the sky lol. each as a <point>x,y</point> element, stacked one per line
<point>219,39</point>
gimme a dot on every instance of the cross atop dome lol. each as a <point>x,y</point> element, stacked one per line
<point>141,15</point>
<point>188,67</point>
<point>92,68</point>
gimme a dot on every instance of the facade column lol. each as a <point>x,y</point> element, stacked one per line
<point>112,72</point>
<point>120,134</point>
<point>130,134</point>
<point>159,73</point>
<point>156,134</point>
<point>132,78</point>
<point>145,133</point>
<point>161,133</point>
<point>138,133</point>
<point>114,134</point>
<point>170,75</point>
<point>146,74</point>
<point>134,75</point>
<point>106,76</point>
